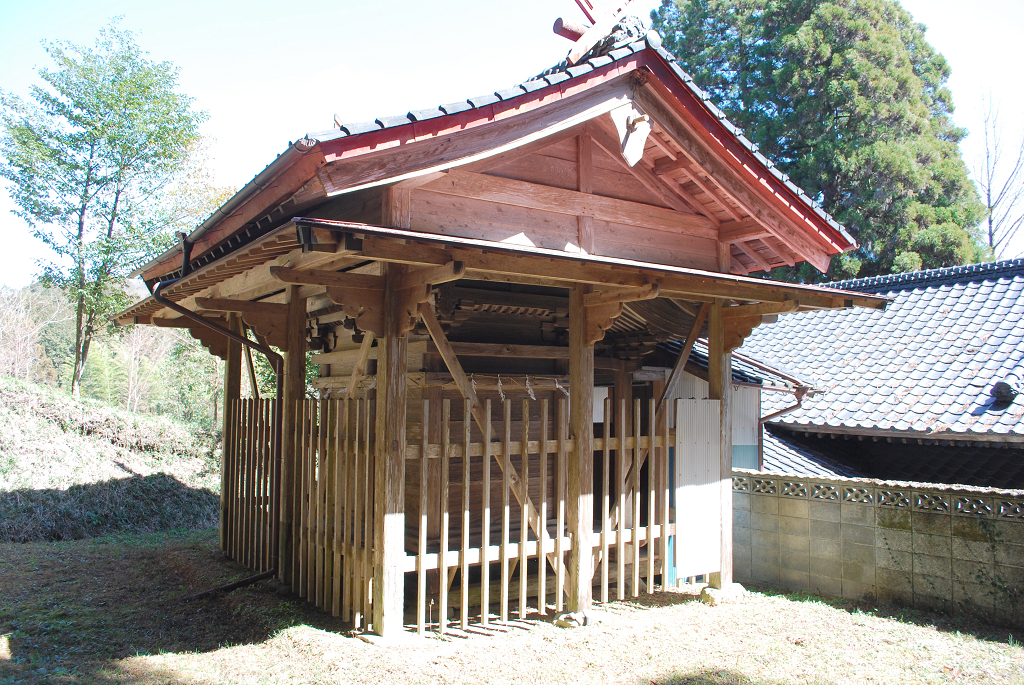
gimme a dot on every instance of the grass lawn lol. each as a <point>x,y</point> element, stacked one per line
<point>110,610</point>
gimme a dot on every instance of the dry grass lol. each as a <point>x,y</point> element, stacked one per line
<point>76,469</point>
<point>110,611</point>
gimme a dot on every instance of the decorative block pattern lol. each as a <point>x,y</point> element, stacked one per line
<point>764,486</point>
<point>857,495</point>
<point>972,506</point>
<point>931,501</point>
<point>741,484</point>
<point>893,498</point>
<point>823,491</point>
<point>793,489</point>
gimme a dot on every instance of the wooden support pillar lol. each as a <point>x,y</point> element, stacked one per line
<point>581,459</point>
<point>389,463</point>
<point>720,388</point>
<point>232,391</point>
<point>294,390</point>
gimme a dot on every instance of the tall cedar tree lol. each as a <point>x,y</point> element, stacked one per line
<point>86,156</point>
<point>850,100</point>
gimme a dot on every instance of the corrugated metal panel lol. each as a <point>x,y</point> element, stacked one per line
<point>746,405</point>
<point>698,487</point>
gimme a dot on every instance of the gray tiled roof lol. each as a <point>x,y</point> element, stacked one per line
<point>782,456</point>
<point>925,365</point>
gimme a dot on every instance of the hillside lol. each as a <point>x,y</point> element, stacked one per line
<point>73,469</point>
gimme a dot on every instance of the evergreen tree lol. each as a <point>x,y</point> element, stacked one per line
<point>850,100</point>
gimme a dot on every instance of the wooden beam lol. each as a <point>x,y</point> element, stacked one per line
<point>761,309</point>
<point>581,458</point>
<point>560,201</point>
<point>543,269</point>
<point>672,384</point>
<point>720,388</point>
<point>739,189</point>
<point>447,353</point>
<point>389,466</point>
<point>327,278</point>
<point>754,256</point>
<point>741,231</point>
<point>243,307</point>
<point>452,271</point>
<point>647,292</point>
<point>359,369</point>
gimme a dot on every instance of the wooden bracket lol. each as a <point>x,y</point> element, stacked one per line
<point>602,308</point>
<point>599,319</point>
<point>409,300</point>
<point>213,341</point>
<point>737,328</point>
<point>267,319</point>
<point>365,306</point>
<point>452,271</point>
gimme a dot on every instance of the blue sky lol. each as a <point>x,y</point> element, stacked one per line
<point>268,72</point>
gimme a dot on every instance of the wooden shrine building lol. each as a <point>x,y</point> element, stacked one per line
<point>467,279</point>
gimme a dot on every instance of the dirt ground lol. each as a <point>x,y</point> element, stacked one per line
<point>111,610</point>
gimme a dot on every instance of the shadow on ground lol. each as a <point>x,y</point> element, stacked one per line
<point>136,504</point>
<point>714,677</point>
<point>70,607</point>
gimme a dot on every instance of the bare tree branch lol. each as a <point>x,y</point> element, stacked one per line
<point>1000,178</point>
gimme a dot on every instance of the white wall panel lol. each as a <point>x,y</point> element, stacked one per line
<point>698,489</point>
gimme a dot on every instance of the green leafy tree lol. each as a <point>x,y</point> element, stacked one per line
<point>86,155</point>
<point>850,100</point>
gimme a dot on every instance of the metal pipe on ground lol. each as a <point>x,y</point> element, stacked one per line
<point>277,363</point>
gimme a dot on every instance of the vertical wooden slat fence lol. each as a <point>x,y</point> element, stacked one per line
<point>477,565</point>
<point>248,472</point>
<point>513,573</point>
<point>334,455</point>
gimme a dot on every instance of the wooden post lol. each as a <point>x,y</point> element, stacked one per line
<point>232,391</point>
<point>389,464</point>
<point>581,459</point>
<point>720,388</point>
<point>294,390</point>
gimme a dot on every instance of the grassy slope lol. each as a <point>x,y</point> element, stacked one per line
<point>73,469</point>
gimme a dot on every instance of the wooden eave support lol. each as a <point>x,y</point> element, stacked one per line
<point>564,273</point>
<point>266,319</point>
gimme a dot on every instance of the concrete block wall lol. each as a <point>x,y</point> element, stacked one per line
<point>953,549</point>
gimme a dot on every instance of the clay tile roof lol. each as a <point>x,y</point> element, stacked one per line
<point>927,364</point>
